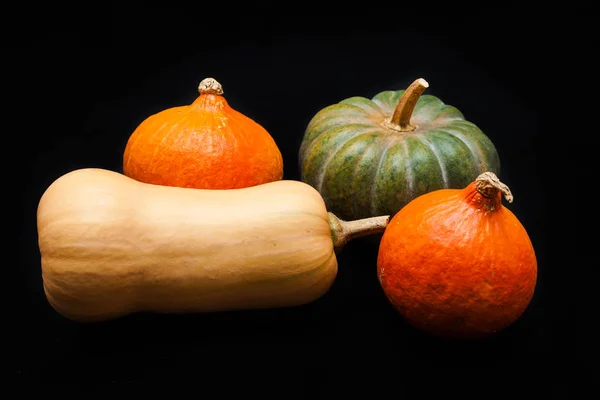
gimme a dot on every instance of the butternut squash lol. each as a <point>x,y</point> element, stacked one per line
<point>111,246</point>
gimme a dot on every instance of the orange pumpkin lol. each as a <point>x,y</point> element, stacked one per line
<point>204,145</point>
<point>457,263</point>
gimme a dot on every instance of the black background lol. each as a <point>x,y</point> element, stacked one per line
<point>85,78</point>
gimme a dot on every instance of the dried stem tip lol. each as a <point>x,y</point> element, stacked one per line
<point>489,185</point>
<point>210,86</point>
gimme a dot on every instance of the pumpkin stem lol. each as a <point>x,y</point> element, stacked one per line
<point>489,185</point>
<point>344,231</point>
<point>210,86</point>
<point>400,120</point>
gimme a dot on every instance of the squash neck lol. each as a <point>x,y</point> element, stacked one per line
<point>209,102</point>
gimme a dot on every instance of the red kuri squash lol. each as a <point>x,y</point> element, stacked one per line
<point>204,145</point>
<point>457,263</point>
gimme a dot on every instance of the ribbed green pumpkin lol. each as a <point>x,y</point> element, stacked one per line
<point>370,157</point>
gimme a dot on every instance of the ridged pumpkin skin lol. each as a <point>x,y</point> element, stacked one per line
<point>111,246</point>
<point>364,165</point>
<point>457,263</point>
<point>204,145</point>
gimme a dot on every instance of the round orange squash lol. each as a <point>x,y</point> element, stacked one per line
<point>457,263</point>
<point>204,145</point>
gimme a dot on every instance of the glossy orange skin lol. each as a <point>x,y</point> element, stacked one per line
<point>457,264</point>
<point>204,145</point>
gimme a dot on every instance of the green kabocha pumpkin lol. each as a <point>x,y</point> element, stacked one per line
<point>373,156</point>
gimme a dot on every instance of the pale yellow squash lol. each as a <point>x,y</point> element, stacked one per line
<point>111,246</point>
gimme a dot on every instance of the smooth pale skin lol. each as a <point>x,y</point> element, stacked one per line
<point>111,246</point>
